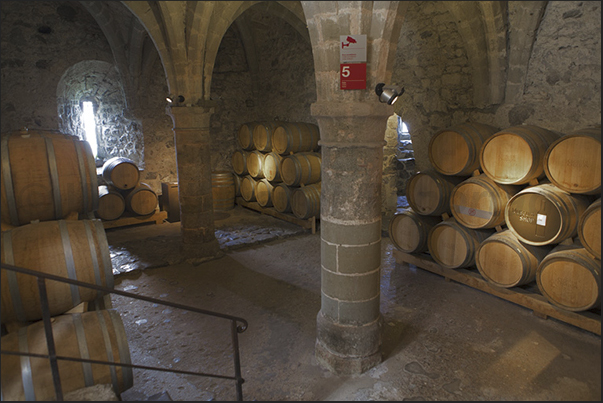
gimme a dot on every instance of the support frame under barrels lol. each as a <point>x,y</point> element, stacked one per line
<point>309,223</point>
<point>527,296</point>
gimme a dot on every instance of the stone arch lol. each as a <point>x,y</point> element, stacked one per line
<point>99,81</point>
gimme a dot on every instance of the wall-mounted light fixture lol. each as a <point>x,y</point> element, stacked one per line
<point>178,100</point>
<point>388,94</point>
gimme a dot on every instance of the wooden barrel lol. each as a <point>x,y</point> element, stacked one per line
<point>573,162</point>
<point>255,164</point>
<point>289,137</point>
<point>45,175</point>
<point>544,214</point>
<point>237,183</point>
<point>453,245</point>
<point>301,169</point>
<point>239,162</point>
<point>75,249</point>
<point>223,190</point>
<point>305,201</point>
<point>515,156</point>
<point>111,203</point>
<point>262,136</point>
<point>97,335</point>
<point>141,200</point>
<point>409,230</point>
<point>272,167</point>
<point>428,193</point>
<point>570,278</point>
<point>479,202</point>
<point>589,228</point>
<point>248,187</point>
<point>281,198</point>
<point>455,150</point>
<point>503,260</point>
<point>121,172</point>
<point>245,136</point>
<point>263,192</point>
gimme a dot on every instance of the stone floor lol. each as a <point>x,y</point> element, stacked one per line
<point>440,340</point>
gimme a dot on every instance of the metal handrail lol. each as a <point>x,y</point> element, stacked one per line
<point>53,358</point>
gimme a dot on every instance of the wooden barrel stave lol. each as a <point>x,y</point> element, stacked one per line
<point>295,137</point>
<point>121,172</point>
<point>409,230</point>
<point>589,228</point>
<point>262,136</point>
<point>428,193</point>
<point>73,249</point>
<point>141,200</point>
<point>305,201</point>
<point>248,188</point>
<point>263,193</point>
<point>455,150</point>
<point>97,335</point>
<point>46,175</point>
<point>255,164</point>
<point>281,198</point>
<point>245,136</point>
<point>573,162</point>
<point>223,190</point>
<point>272,167</point>
<point>503,260</point>
<point>570,278</point>
<point>111,203</point>
<point>239,162</point>
<point>479,202</point>
<point>301,169</point>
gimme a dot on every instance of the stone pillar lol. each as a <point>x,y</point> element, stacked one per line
<point>193,159</point>
<point>349,321</point>
<point>389,191</point>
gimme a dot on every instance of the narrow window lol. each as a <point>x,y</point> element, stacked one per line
<point>90,126</point>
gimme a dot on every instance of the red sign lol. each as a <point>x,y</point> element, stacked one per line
<point>352,76</point>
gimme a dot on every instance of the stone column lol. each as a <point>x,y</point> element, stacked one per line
<point>349,321</point>
<point>193,159</point>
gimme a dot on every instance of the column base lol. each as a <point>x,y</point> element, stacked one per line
<point>345,365</point>
<point>196,253</point>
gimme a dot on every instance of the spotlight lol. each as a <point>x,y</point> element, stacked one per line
<point>388,93</point>
<point>178,100</point>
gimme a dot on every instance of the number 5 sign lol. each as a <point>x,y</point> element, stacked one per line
<point>352,76</point>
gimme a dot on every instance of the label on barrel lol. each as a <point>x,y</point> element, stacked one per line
<point>541,220</point>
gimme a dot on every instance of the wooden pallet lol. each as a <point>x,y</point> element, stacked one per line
<point>128,219</point>
<point>526,296</point>
<point>309,223</point>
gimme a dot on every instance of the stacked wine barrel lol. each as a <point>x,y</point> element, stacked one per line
<point>278,165</point>
<point>123,192</point>
<point>44,199</point>
<point>522,205</point>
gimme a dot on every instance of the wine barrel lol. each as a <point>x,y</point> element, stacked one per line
<point>589,228</point>
<point>428,193</point>
<point>239,162</point>
<point>97,335</point>
<point>479,202</point>
<point>409,230</point>
<point>111,203</point>
<point>544,214</point>
<point>121,172</point>
<point>223,190</point>
<point>248,188</point>
<point>281,198</point>
<point>305,201</point>
<point>263,192</point>
<point>514,156</point>
<point>272,167</point>
<point>453,246</point>
<point>245,136</point>
<point>570,278</point>
<point>141,200</point>
<point>289,137</point>
<point>455,150</point>
<point>573,162</point>
<point>503,260</point>
<point>237,183</point>
<point>75,249</point>
<point>45,175</point>
<point>301,169</point>
<point>262,136</point>
<point>255,164</point>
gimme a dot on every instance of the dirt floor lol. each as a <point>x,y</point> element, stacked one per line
<point>440,340</point>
